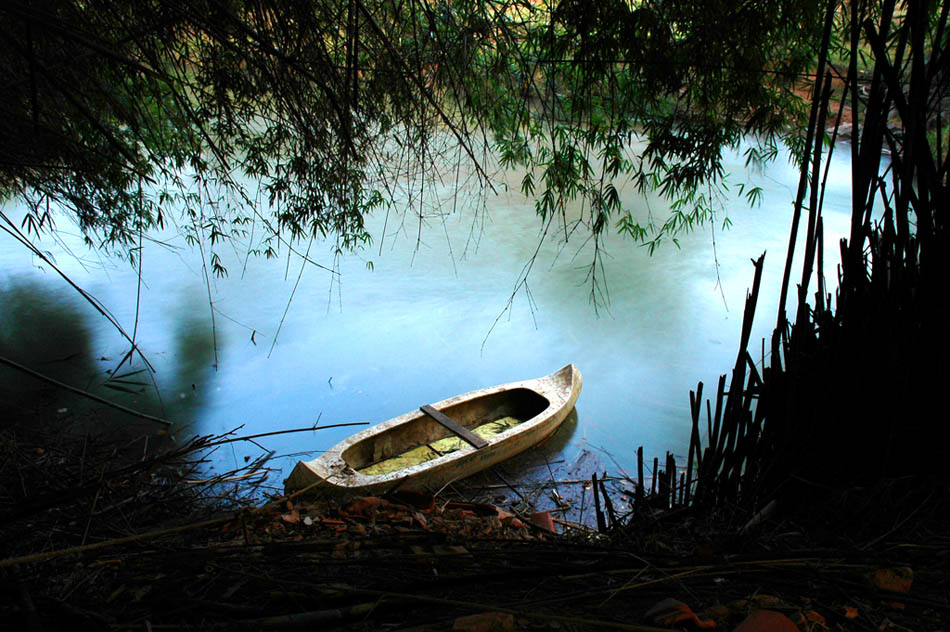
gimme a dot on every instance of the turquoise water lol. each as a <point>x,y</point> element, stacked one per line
<point>425,320</point>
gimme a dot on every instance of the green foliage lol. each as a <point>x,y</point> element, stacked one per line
<point>689,79</point>
<point>288,120</point>
<point>123,112</point>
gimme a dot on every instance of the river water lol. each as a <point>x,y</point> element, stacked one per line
<point>424,320</point>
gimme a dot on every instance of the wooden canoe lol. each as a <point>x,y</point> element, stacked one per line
<point>506,419</point>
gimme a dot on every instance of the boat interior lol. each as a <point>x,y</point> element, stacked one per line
<point>487,415</point>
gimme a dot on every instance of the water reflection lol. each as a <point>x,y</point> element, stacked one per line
<point>186,383</point>
<point>41,331</point>
<point>50,331</point>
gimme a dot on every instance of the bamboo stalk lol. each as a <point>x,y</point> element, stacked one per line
<point>656,470</point>
<point>671,479</point>
<point>640,488</point>
<point>695,404</point>
<point>611,515</point>
<point>803,179</point>
<point>601,523</point>
<point>813,203</point>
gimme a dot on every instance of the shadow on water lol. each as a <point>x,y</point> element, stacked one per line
<point>193,364</point>
<point>52,337</point>
<point>56,336</point>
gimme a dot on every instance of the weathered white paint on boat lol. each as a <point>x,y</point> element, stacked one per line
<point>543,403</point>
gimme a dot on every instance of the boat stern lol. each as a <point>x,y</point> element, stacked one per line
<point>331,475</point>
<point>321,475</point>
<point>302,477</point>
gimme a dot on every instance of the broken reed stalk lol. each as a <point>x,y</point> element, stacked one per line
<point>695,399</point>
<point>611,514</point>
<point>671,479</point>
<point>662,497</point>
<point>656,472</point>
<point>601,523</point>
<point>640,488</point>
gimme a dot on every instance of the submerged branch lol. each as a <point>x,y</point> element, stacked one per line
<point>86,394</point>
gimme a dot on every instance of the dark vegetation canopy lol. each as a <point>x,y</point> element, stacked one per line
<point>287,120</point>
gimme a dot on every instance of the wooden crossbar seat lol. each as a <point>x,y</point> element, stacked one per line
<point>461,431</point>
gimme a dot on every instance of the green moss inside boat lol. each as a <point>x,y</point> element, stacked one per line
<point>434,450</point>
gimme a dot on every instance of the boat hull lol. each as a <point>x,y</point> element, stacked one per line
<point>542,403</point>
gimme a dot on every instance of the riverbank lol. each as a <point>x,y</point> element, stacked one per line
<point>97,537</point>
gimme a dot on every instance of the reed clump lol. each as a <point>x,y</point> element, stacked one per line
<point>847,393</point>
